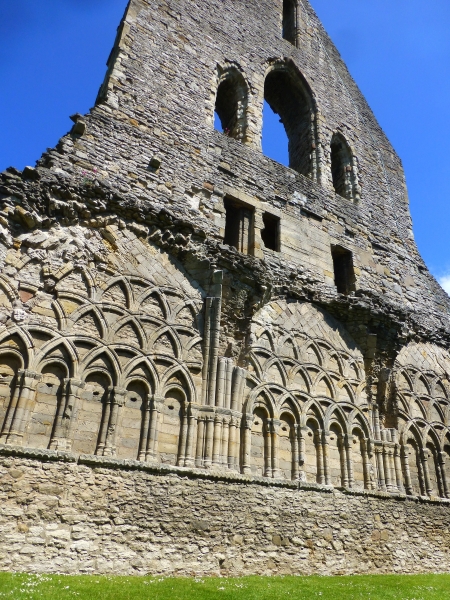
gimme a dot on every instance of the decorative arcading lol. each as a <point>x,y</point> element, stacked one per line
<point>127,366</point>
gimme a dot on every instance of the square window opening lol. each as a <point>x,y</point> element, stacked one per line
<point>271,233</point>
<point>239,226</point>
<point>344,272</point>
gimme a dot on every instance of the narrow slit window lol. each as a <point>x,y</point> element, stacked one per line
<point>344,273</point>
<point>239,226</point>
<point>289,21</point>
<point>271,233</point>
<point>342,169</point>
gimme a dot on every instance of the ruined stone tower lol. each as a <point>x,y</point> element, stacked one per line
<point>210,362</point>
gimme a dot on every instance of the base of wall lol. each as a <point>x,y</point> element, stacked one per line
<point>84,514</point>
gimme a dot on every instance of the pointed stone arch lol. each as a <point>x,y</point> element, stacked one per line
<point>88,321</point>
<point>48,403</point>
<point>117,292</point>
<point>128,331</point>
<point>299,379</point>
<point>154,304</point>
<point>323,386</point>
<point>165,342</point>
<point>77,282</point>
<point>101,359</point>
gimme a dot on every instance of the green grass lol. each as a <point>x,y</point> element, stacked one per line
<point>379,587</point>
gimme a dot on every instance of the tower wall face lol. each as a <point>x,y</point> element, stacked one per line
<point>172,301</point>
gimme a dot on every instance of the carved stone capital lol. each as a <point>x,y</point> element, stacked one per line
<point>120,396</point>
<point>273,425</point>
<point>248,421</point>
<point>157,403</point>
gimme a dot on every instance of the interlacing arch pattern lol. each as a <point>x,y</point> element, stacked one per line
<point>306,406</point>
<point>97,362</point>
<point>422,394</point>
<point>85,367</point>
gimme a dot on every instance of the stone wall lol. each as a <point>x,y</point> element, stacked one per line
<point>170,296</point>
<point>108,517</point>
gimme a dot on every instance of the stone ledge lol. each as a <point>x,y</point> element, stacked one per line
<point>37,453</point>
<point>109,462</point>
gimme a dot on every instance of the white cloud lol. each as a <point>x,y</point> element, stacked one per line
<point>445,282</point>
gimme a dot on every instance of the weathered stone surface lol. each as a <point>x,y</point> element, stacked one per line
<point>210,361</point>
<point>75,518</point>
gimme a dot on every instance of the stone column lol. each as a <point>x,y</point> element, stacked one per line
<point>387,469</point>
<point>66,419</point>
<point>422,481</point>
<point>12,407</point>
<point>295,452</point>
<point>301,453</point>
<point>58,439</point>
<point>221,374</point>
<point>348,441</point>
<point>192,418</point>
<point>106,414</point>
<point>214,348</point>
<point>380,467</point>
<point>274,428</point>
<point>217,445</point>
<point>408,482</point>
<point>398,468</point>
<point>426,472</point>
<point>367,464</point>
<point>376,423</point>
<point>118,399</point>
<point>442,463</point>
<point>228,383</point>
<point>211,338</point>
<point>153,433</point>
<point>183,438</point>
<point>206,349</point>
<point>234,442</point>
<point>439,481</point>
<point>322,456</point>
<point>200,439</point>
<point>27,396</point>
<point>225,441</point>
<point>247,451</point>
<point>209,440</point>
<point>343,459</point>
<point>237,389</point>
<point>146,415</point>
<point>267,432</point>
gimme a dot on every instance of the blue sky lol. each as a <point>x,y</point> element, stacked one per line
<point>52,62</point>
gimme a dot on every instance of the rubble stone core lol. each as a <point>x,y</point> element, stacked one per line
<point>210,362</point>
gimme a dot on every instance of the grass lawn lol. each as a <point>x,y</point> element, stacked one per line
<point>379,587</point>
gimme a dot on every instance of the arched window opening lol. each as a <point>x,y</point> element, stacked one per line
<point>275,142</point>
<point>287,95</point>
<point>342,168</point>
<point>231,106</point>
<point>290,21</point>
